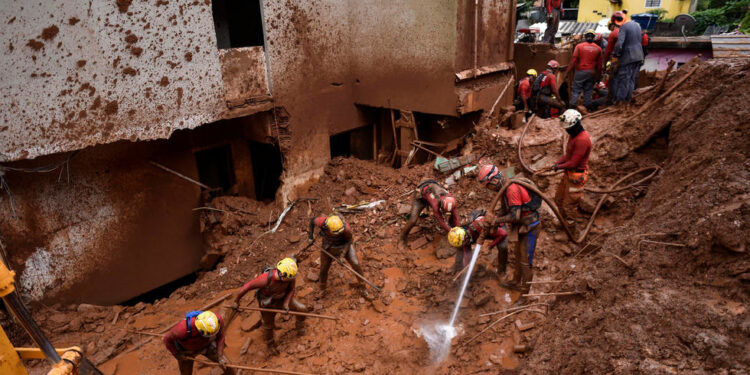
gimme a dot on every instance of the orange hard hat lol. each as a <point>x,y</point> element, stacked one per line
<point>618,18</point>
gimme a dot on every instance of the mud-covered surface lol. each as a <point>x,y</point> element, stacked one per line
<point>652,308</point>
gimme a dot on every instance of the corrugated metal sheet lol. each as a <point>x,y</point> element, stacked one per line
<point>731,45</point>
<point>572,28</point>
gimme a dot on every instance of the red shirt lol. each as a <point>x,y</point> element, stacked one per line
<point>516,195</point>
<point>194,343</point>
<point>524,88</point>
<point>611,41</point>
<point>549,80</point>
<point>275,288</point>
<point>431,193</point>
<point>553,4</point>
<point>330,238</point>
<point>644,39</point>
<point>586,56</point>
<point>576,153</point>
<point>497,234</point>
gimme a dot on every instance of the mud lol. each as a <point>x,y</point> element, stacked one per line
<point>652,308</point>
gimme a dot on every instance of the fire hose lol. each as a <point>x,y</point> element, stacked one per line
<point>543,172</point>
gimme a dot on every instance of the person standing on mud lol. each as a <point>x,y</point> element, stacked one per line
<point>575,163</point>
<point>337,240</point>
<point>554,12</point>
<point>199,334</point>
<point>275,290</point>
<point>547,83</point>
<point>629,54</point>
<point>587,62</point>
<point>465,236</point>
<point>520,206</point>
<point>431,194</point>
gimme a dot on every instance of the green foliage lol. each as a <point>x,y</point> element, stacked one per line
<point>729,13</point>
<point>745,28</point>
<point>660,12</point>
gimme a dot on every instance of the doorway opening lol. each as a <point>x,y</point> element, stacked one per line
<point>215,167</point>
<point>237,23</point>
<point>267,168</point>
<point>358,143</point>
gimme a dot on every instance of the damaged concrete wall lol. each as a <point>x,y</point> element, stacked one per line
<point>80,73</point>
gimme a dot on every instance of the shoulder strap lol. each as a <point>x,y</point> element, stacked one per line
<point>188,316</point>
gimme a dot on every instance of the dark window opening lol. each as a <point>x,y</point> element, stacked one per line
<point>163,291</point>
<point>238,23</point>
<point>357,143</point>
<point>215,167</point>
<point>267,168</point>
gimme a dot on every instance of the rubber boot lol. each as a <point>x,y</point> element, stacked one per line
<point>528,275</point>
<point>270,342</point>
<point>300,326</point>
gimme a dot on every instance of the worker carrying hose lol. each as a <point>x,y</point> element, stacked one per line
<point>431,194</point>
<point>546,88</point>
<point>337,240</point>
<point>520,206</point>
<point>524,93</point>
<point>463,237</point>
<point>587,62</point>
<point>275,290</point>
<point>199,334</point>
<point>575,162</point>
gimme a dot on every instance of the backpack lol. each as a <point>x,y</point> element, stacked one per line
<point>536,86</point>
<point>189,316</point>
<point>536,199</point>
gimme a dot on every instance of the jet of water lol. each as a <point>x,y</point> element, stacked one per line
<point>467,276</point>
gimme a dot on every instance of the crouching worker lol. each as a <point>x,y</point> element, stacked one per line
<point>463,238</point>
<point>443,204</point>
<point>520,206</point>
<point>199,334</point>
<point>275,290</point>
<point>337,240</point>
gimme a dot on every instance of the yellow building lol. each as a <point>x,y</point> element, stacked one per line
<point>595,10</point>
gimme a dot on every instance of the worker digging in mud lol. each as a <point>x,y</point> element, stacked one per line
<point>337,240</point>
<point>199,334</point>
<point>628,53</point>
<point>275,290</point>
<point>520,206</point>
<point>523,93</point>
<point>548,93</point>
<point>587,62</point>
<point>430,193</point>
<point>463,237</point>
<point>575,162</point>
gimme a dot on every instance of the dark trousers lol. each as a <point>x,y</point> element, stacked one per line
<point>269,318</point>
<point>325,261</point>
<point>583,82</point>
<point>463,257</point>
<point>624,82</point>
<point>553,24</point>
<point>186,366</point>
<point>416,208</point>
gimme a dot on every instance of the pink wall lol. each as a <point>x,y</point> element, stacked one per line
<point>658,59</point>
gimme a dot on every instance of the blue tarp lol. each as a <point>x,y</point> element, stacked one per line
<point>646,20</point>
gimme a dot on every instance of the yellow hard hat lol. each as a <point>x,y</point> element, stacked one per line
<point>456,236</point>
<point>207,324</point>
<point>531,72</point>
<point>334,223</point>
<point>590,31</point>
<point>287,268</point>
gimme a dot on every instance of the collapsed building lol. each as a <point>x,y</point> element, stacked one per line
<point>250,98</point>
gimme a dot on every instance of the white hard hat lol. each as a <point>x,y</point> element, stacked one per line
<point>570,118</point>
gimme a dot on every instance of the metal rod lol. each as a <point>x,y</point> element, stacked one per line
<point>259,369</point>
<point>550,294</point>
<point>288,312</point>
<point>349,268</point>
<point>515,308</point>
<point>490,326</point>
<point>180,175</point>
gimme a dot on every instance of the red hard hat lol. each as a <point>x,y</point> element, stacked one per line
<point>487,173</point>
<point>553,64</point>
<point>447,203</point>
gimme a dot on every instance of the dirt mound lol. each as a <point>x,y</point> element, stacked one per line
<point>668,292</point>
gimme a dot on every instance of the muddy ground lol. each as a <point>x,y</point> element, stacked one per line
<point>677,304</point>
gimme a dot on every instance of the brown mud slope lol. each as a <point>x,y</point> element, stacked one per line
<point>680,308</point>
<point>677,305</point>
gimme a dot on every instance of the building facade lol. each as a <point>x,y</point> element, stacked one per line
<point>595,10</point>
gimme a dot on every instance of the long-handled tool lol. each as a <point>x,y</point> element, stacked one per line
<point>258,369</point>
<point>348,268</point>
<point>288,312</point>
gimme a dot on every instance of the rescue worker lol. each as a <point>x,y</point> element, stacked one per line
<point>554,12</point>
<point>523,92</point>
<point>600,95</point>
<point>576,166</point>
<point>587,62</point>
<point>464,237</point>
<point>337,240</point>
<point>612,38</point>
<point>548,92</point>
<point>199,334</point>
<point>275,290</point>
<point>644,47</point>
<point>629,54</point>
<point>441,202</point>
<point>520,207</point>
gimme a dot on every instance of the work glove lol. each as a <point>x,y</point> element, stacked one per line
<point>549,16</point>
<point>235,305</point>
<point>286,308</point>
<point>554,167</point>
<point>223,361</point>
